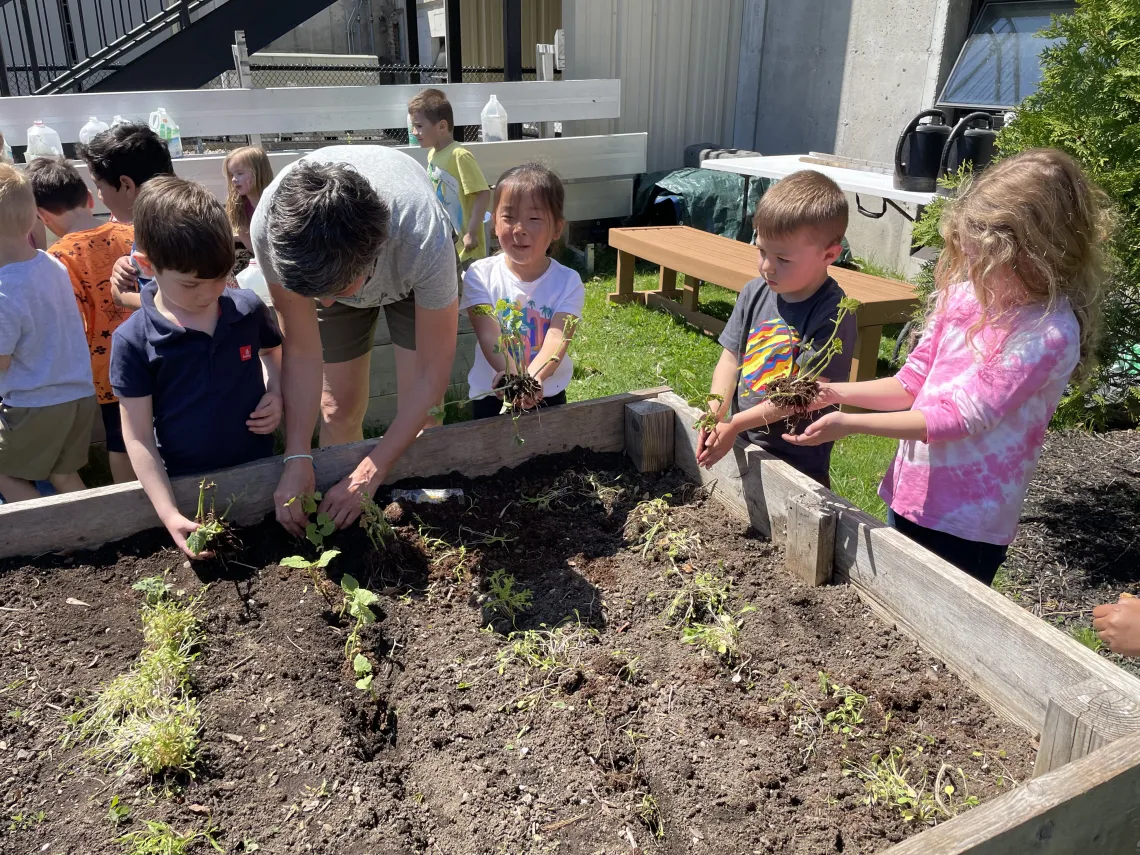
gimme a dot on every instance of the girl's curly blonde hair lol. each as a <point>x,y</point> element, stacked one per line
<point>257,161</point>
<point>1034,219</point>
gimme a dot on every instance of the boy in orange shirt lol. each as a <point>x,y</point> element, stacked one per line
<point>88,248</point>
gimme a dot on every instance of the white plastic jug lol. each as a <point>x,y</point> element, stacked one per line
<point>253,279</point>
<point>163,125</point>
<point>91,130</point>
<point>118,120</point>
<point>5,150</point>
<point>494,117</point>
<point>42,142</point>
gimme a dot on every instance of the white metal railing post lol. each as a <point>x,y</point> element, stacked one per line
<point>244,76</point>
<point>544,68</point>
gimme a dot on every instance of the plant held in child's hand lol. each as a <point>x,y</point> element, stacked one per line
<point>798,390</point>
<point>211,527</point>
<point>709,419</point>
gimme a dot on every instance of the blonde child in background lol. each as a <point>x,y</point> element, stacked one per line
<point>248,173</point>
<point>47,398</point>
<point>1014,318</point>
<point>458,180</point>
<point>528,218</point>
<point>88,248</point>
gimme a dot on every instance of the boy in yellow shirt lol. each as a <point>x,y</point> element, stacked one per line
<point>458,180</point>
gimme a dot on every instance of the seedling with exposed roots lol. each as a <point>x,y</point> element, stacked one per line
<point>211,527</point>
<point>374,522</point>
<point>710,418</point>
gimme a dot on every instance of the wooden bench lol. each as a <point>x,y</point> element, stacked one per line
<point>703,257</point>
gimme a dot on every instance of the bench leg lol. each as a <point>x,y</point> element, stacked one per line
<point>690,301</point>
<point>625,292</point>
<point>667,283</point>
<point>866,360</point>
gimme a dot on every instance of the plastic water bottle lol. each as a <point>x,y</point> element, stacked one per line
<point>42,142</point>
<point>91,130</point>
<point>494,117</point>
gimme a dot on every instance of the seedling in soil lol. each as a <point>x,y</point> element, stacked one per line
<point>630,667</point>
<point>481,538</point>
<point>848,716</point>
<point>297,562</point>
<point>701,598</point>
<point>315,531</point>
<point>722,637</point>
<point>357,602</point>
<point>118,813</point>
<point>160,839</point>
<point>374,522</point>
<point>153,588</point>
<point>546,499</point>
<point>886,781</point>
<point>363,669</point>
<point>518,386</point>
<point>505,598</point>
<point>26,822</point>
<point>211,527</point>
<point>798,389</point>
<point>650,815</point>
<point>710,418</point>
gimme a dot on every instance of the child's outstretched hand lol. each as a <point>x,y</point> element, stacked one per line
<point>714,444</point>
<point>830,428</point>
<point>180,528</point>
<point>470,241</point>
<point>267,416</point>
<point>1118,625</point>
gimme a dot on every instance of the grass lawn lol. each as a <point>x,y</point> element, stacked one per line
<point>619,348</point>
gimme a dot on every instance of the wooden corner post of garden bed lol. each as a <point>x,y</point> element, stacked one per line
<point>810,548</point>
<point>649,435</point>
<point>1082,718</point>
<point>90,518</point>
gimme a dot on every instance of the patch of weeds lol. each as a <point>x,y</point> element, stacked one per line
<point>374,522</point>
<point>443,553</point>
<point>160,839</point>
<point>553,653</point>
<point>848,716</point>
<point>357,602</point>
<point>146,717</point>
<point>482,538</point>
<point>648,520</point>
<point>298,562</point>
<point>556,494</point>
<point>887,783</point>
<point>315,530</point>
<point>119,812</point>
<point>701,597</point>
<point>26,822</point>
<point>649,813</point>
<point>630,668</point>
<point>722,637</point>
<point>211,527</point>
<point>602,492</point>
<point>504,598</point>
<point>1087,636</point>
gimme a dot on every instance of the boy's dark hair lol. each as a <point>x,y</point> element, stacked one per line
<point>435,107</point>
<point>57,185</point>
<point>181,227</point>
<point>130,149</point>
<point>326,226</point>
<point>804,200</point>
<point>536,180</point>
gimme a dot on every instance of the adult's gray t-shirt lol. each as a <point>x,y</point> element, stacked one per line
<point>768,334</point>
<point>419,256</point>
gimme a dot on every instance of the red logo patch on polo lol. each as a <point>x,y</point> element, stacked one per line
<point>246,351</point>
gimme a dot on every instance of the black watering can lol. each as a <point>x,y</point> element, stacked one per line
<point>918,154</point>
<point>968,144</point>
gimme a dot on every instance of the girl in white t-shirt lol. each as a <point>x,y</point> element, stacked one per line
<point>528,218</point>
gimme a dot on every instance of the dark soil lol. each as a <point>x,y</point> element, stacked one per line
<point>636,733</point>
<point>793,394</point>
<point>1078,544</point>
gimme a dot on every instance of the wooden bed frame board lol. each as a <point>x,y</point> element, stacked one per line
<point>1009,657</point>
<point>93,517</point>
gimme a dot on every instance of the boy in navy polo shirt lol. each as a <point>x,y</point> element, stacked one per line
<point>197,369</point>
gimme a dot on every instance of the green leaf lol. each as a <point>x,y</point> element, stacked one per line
<point>349,584</point>
<point>365,597</point>
<point>296,562</point>
<point>198,540</point>
<point>361,665</point>
<point>326,557</point>
<point>365,683</point>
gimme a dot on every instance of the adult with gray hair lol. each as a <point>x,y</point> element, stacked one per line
<point>341,235</point>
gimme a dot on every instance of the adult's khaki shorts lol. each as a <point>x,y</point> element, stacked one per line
<point>347,331</point>
<point>37,442</point>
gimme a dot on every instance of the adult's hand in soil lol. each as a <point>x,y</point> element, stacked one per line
<point>715,444</point>
<point>830,428</point>
<point>342,502</point>
<point>298,478</point>
<point>1118,625</point>
<point>180,528</point>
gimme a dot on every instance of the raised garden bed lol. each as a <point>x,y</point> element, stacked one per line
<point>618,730</point>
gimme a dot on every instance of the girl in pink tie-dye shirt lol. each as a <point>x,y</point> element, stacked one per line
<point>1015,318</point>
